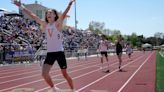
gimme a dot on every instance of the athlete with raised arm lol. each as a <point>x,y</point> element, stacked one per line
<point>52,26</point>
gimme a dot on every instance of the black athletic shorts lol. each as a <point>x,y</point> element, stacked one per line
<point>56,56</point>
<point>118,48</point>
<point>118,51</point>
<point>129,54</point>
<point>104,53</point>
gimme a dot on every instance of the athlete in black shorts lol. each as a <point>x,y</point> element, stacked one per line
<point>52,26</point>
<point>119,47</point>
<point>103,48</point>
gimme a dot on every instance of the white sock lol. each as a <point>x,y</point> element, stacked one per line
<point>73,90</point>
<point>55,89</point>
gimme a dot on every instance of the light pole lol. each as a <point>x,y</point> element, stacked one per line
<point>75,16</point>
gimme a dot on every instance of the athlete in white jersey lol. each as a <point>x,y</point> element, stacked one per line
<point>52,26</point>
<point>54,39</point>
<point>129,51</point>
<point>103,48</point>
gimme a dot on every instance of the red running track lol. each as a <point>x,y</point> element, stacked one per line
<point>139,75</point>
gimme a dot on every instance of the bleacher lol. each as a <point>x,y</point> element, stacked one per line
<point>22,34</point>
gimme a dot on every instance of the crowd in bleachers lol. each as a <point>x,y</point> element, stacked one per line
<point>20,30</point>
<point>24,33</point>
<point>80,38</point>
<point>21,35</point>
<point>18,35</point>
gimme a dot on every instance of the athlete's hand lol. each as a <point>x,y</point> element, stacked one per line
<point>17,2</point>
<point>71,1</point>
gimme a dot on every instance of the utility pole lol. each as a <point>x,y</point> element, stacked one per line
<point>75,16</point>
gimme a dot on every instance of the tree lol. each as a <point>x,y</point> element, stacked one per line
<point>151,40</point>
<point>107,32</point>
<point>116,32</point>
<point>141,40</point>
<point>114,35</point>
<point>97,27</point>
<point>134,39</point>
<point>158,35</point>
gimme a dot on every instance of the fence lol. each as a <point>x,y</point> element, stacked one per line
<point>10,56</point>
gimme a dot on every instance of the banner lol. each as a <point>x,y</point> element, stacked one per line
<point>18,56</point>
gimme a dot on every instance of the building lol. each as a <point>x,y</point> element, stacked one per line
<point>3,11</point>
<point>39,10</point>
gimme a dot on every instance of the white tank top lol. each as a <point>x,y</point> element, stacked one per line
<point>103,45</point>
<point>129,50</point>
<point>54,39</point>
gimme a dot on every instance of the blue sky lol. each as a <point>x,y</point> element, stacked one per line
<point>140,16</point>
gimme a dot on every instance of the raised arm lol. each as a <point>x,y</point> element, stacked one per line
<point>32,15</point>
<point>66,11</point>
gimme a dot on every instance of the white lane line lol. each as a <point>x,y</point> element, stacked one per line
<point>88,74</point>
<point>37,70</point>
<point>134,74</point>
<point>52,77</point>
<point>19,70</point>
<point>161,54</point>
<point>39,74</point>
<point>75,77</point>
<point>15,69</point>
<point>107,75</point>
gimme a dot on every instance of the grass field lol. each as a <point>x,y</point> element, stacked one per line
<point>159,85</point>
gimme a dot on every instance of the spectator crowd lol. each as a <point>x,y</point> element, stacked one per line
<point>18,33</point>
